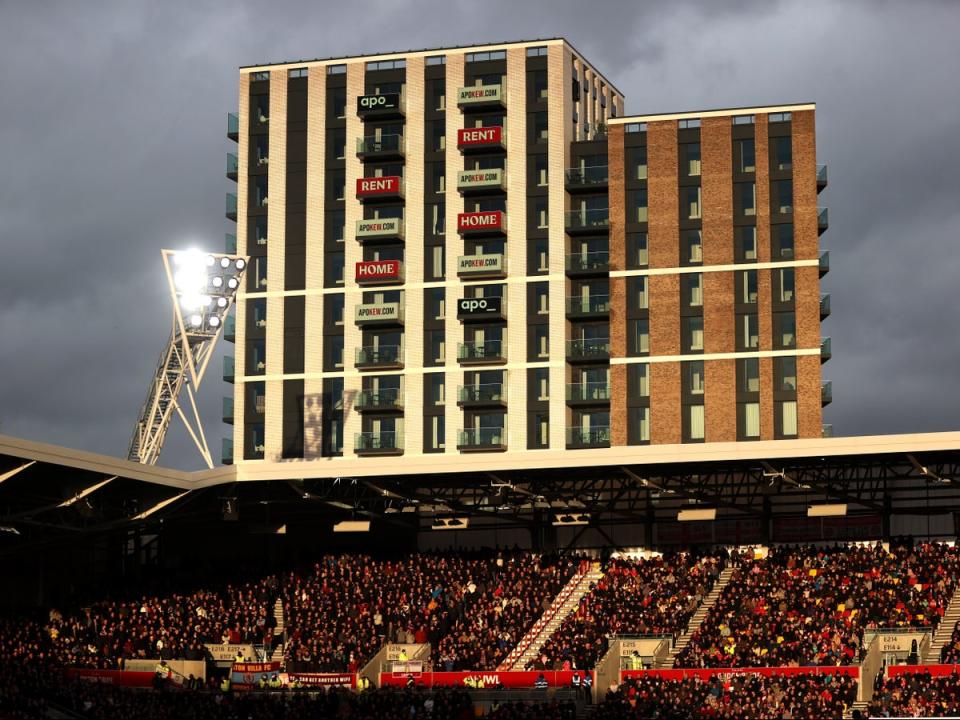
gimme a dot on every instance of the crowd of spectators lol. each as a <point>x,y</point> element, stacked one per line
<point>793,697</point>
<point>810,605</point>
<point>950,652</point>
<point>649,596</point>
<point>917,695</point>
<point>500,605</point>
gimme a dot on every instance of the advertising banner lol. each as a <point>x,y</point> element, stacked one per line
<point>707,673</point>
<point>490,679</point>
<point>480,137</point>
<point>490,220</point>
<point>479,307</point>
<point>376,186</point>
<point>248,675</point>
<point>479,95</point>
<point>378,312</point>
<point>480,179</point>
<point>347,680</point>
<point>381,227</point>
<point>934,670</point>
<point>479,264</point>
<point>378,270</point>
<point>377,104</point>
<point>122,678</point>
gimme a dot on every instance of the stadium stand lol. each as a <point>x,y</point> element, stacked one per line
<point>950,654</point>
<point>917,694</point>
<point>809,605</point>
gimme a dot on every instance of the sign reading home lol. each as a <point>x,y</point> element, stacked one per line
<point>488,220</point>
<point>479,95</point>
<point>378,104</point>
<point>479,264</point>
<point>378,271</point>
<point>376,186</point>
<point>480,136</point>
<point>378,312</point>
<point>492,178</point>
<point>480,307</point>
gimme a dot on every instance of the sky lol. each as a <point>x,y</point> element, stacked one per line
<point>113,143</point>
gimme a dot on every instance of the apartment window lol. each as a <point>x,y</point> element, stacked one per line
<point>436,303</point>
<point>788,418</point>
<point>438,178</point>
<point>743,119</point>
<point>438,94</point>
<point>782,153</point>
<point>338,143</point>
<point>641,336</point>
<point>691,159</point>
<point>541,340</point>
<point>744,155</point>
<point>259,225</point>
<point>782,241</point>
<point>485,56</point>
<point>748,375</point>
<point>692,202</point>
<point>746,196</point>
<point>436,60</point>
<point>398,64</point>
<point>259,274</point>
<point>635,127</point>
<point>638,293</point>
<point>333,268</point>
<point>541,298</point>
<point>695,422</point>
<point>749,332</point>
<point>693,289</point>
<point>693,377</point>
<point>539,127</point>
<point>638,426</point>
<point>335,303</point>
<point>338,102</point>
<point>779,117</point>
<point>437,432</point>
<point>637,159</point>
<point>637,250</point>
<point>336,69</point>
<point>336,220</point>
<point>638,380</point>
<point>689,124</point>
<point>785,330</point>
<point>785,373</point>
<point>259,191</point>
<point>259,76</point>
<point>539,51</point>
<point>749,419</point>
<point>639,205</point>
<point>782,200</point>
<point>333,348</point>
<point>436,347</point>
<point>693,333</point>
<point>692,247</point>
<point>541,384</point>
<point>297,73</point>
<point>748,287</point>
<point>338,183</point>
<point>438,135</point>
<point>540,213</point>
<point>540,170</point>
<point>746,249</point>
<point>539,84</point>
<point>786,278</point>
<point>438,395</point>
<point>438,212</point>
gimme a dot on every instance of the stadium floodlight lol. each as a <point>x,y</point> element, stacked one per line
<point>827,510</point>
<point>203,287</point>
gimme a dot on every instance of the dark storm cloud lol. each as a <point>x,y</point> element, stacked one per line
<point>112,131</point>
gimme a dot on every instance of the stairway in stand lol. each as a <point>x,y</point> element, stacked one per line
<point>278,632</point>
<point>566,602</point>
<point>699,616</point>
<point>944,630</point>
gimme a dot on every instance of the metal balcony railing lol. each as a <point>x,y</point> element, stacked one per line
<point>385,144</point>
<point>589,349</point>
<point>384,441</point>
<point>825,350</point>
<point>385,399</point>
<point>488,350</point>
<point>482,393</point>
<point>598,436</point>
<point>228,410</point>
<point>380,355</point>
<point>484,437</point>
<point>233,126</point>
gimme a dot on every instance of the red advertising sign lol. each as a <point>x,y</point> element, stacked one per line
<point>378,270</point>
<point>123,678</point>
<point>348,680</point>
<point>934,670</point>
<point>373,186</point>
<point>467,137</point>
<point>487,220</point>
<point>492,678</point>
<point>707,673</point>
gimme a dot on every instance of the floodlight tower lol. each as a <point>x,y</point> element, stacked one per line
<point>203,287</point>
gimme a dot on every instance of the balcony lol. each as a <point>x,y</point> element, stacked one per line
<point>481,182</point>
<point>384,357</point>
<point>384,147</point>
<point>587,222</point>
<point>826,430</point>
<point>481,139</point>
<point>490,352</point>
<point>587,179</point>
<point>588,350</point>
<point>482,439</point>
<point>379,272</point>
<point>825,306</point>
<point>825,350</point>
<point>386,400</point>
<point>484,223</point>
<point>595,437</point>
<point>379,314</point>
<point>481,97</point>
<point>482,395</point>
<point>232,206</point>
<point>378,230</point>
<point>588,264</point>
<point>228,368</point>
<point>387,188</point>
<point>230,328</point>
<point>826,393</point>
<point>381,106</point>
<point>588,393</point>
<point>228,410</point>
<point>232,166</point>
<point>482,266</point>
<point>233,126</point>
<point>226,451</point>
<point>824,264</point>
<point>230,243</point>
<point>821,177</point>
<point>588,307</point>
<point>823,221</point>
<point>378,443</point>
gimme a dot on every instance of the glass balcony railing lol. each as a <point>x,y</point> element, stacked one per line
<point>595,220</point>
<point>598,436</point>
<point>233,126</point>
<point>226,451</point>
<point>230,328</point>
<point>381,355</point>
<point>490,350</point>
<point>592,305</point>
<point>589,349</point>
<point>823,219</point>
<point>824,264</point>
<point>482,393</point>
<point>824,306</point>
<point>231,207</point>
<point>826,393</point>
<point>588,392</point>
<point>228,410</point>
<point>383,145</point>
<point>232,166</point>
<point>821,177</point>
<point>590,176</point>
<point>228,368</point>
<point>373,442</point>
<point>825,349</point>
<point>230,243</point>
<point>385,399</point>
<point>587,262</point>
<point>482,438</point>
<point>826,430</point>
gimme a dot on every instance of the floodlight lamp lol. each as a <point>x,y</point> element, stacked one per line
<point>196,320</point>
<point>224,262</point>
<point>211,261</point>
<point>214,321</point>
<point>216,281</point>
<point>221,302</point>
<point>241,263</point>
<point>191,273</point>
<point>232,283</point>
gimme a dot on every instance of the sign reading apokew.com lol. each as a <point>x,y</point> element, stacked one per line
<point>381,227</point>
<point>478,94</point>
<point>479,264</point>
<point>479,307</point>
<point>378,312</point>
<point>376,104</point>
<point>491,178</point>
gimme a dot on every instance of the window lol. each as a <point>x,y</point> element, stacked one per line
<point>297,73</point>
<point>541,340</point>
<point>338,183</point>
<point>692,202</point>
<point>540,170</point>
<point>693,333</point>
<point>436,60</point>
<point>635,127</point>
<point>540,213</point>
<point>338,102</point>
<point>539,127</point>
<point>336,220</point>
<point>637,250</point>
<point>333,268</point>
<point>485,56</point>
<point>638,294</point>
<point>438,130</point>
<point>746,243</point>
<point>336,69</point>
<point>259,274</point>
<point>260,76</point>
<point>693,378</point>
<point>640,205</point>
<point>539,51</point>
<point>782,153</point>
<point>436,347</point>
<point>743,119</point>
<point>748,287</point>
<point>782,241</point>
<point>785,330</point>
<point>438,177</point>
<point>779,117</point>
<point>437,268</point>
<point>397,64</point>
<point>436,303</point>
<point>695,422</point>
<point>746,194</point>
<point>788,418</point>
<point>637,159</point>
<point>338,143</point>
<point>438,213</point>
<point>539,84</point>
<point>782,200</point>
<point>333,347</point>
<point>541,384</point>
<point>541,298</point>
<point>786,278</point>
<point>260,191</point>
<point>785,374</point>
<point>692,247</point>
<point>641,337</point>
<point>749,332</point>
<point>335,304</point>
<point>541,254</point>
<point>638,380</point>
<point>750,419</point>
<point>694,289</point>
<point>259,226</point>
<point>438,393</point>
<point>689,124</point>
<point>744,155</point>
<point>638,426</point>
<point>748,375</point>
<point>691,154</point>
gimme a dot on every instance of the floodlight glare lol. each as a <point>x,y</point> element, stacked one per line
<point>214,321</point>
<point>232,283</point>
<point>241,263</point>
<point>211,261</point>
<point>217,281</point>
<point>224,262</point>
<point>196,320</point>
<point>221,302</point>
<point>191,275</point>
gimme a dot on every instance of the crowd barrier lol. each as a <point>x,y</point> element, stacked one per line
<point>934,670</point>
<point>707,673</point>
